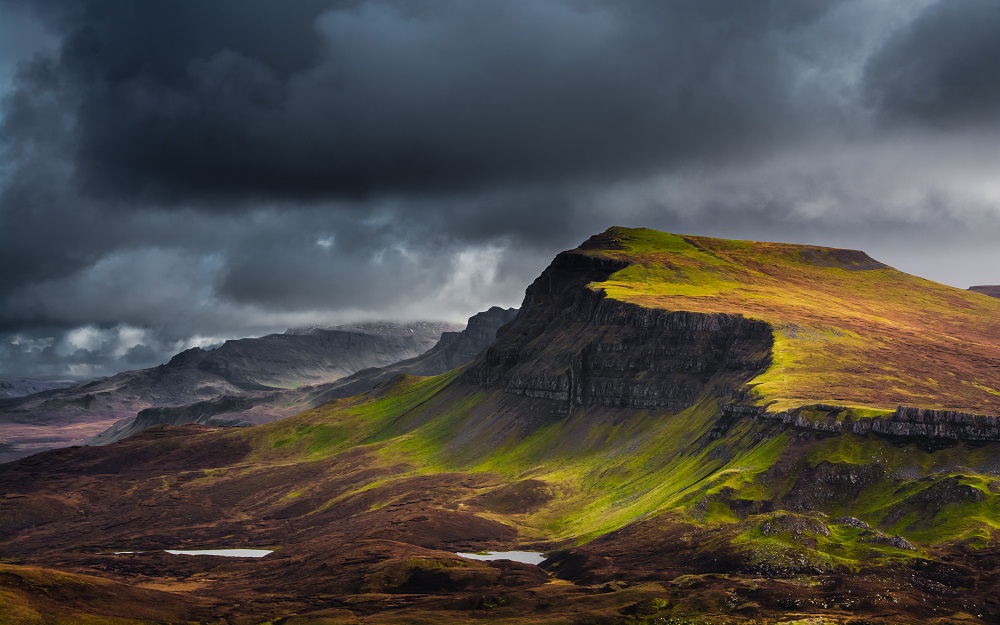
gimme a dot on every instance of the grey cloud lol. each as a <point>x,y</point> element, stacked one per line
<point>393,97</point>
<point>944,67</point>
<point>185,170</point>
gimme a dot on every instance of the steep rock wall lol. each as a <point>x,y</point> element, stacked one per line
<point>905,421</point>
<point>572,345</point>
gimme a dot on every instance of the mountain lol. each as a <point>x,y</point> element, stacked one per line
<point>453,350</point>
<point>692,430</point>
<point>26,386</point>
<point>991,290</point>
<point>72,415</point>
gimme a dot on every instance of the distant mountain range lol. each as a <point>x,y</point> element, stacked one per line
<point>26,386</point>
<point>66,416</point>
<point>255,407</point>
<point>987,289</point>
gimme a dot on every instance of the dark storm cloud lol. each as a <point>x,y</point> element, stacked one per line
<point>944,67</point>
<point>178,173</point>
<point>178,102</point>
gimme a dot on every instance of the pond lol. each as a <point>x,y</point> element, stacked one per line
<point>227,553</point>
<point>525,557</point>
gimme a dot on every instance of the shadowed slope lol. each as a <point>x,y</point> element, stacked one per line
<point>253,408</point>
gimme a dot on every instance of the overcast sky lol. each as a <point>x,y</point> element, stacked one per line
<point>176,173</point>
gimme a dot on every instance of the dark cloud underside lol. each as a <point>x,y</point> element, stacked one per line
<point>187,169</point>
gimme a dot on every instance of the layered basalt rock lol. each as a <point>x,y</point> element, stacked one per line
<point>905,421</point>
<point>574,346</point>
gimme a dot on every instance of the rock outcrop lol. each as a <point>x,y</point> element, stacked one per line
<point>905,421</point>
<point>572,345</point>
<point>456,349</point>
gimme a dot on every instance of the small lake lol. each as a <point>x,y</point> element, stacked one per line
<point>226,553</point>
<point>525,557</point>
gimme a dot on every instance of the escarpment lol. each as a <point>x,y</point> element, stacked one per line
<point>904,421</point>
<point>573,345</point>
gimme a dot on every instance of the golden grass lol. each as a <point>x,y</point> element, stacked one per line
<point>848,330</point>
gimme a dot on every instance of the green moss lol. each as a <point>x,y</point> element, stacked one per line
<point>639,240</point>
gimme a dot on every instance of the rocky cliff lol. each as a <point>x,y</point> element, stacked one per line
<point>572,345</point>
<point>904,421</point>
<point>460,348</point>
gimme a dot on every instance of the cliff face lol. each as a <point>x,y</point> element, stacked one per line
<point>459,348</point>
<point>576,347</point>
<point>904,422</point>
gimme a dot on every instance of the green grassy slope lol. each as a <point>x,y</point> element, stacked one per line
<point>603,471</point>
<point>848,330</point>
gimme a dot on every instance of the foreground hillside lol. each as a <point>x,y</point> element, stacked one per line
<point>651,421</point>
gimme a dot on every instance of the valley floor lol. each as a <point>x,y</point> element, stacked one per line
<point>365,522</point>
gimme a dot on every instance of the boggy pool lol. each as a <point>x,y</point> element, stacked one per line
<point>526,557</point>
<point>227,553</point>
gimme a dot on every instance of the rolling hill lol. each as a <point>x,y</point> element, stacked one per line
<point>693,430</point>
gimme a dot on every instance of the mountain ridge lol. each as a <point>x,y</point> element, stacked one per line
<point>237,366</point>
<point>20,387</point>
<point>697,504</point>
<point>454,349</point>
<point>987,289</point>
